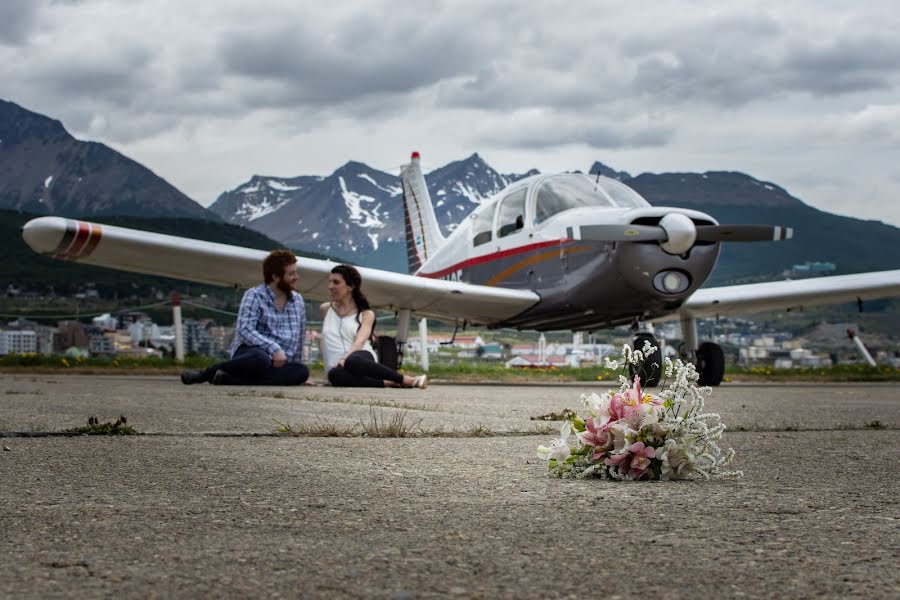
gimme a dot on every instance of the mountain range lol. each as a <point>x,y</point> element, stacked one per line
<point>355,213</point>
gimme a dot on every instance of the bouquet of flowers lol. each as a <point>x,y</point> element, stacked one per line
<point>630,434</point>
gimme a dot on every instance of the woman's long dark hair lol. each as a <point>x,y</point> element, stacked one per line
<point>354,280</point>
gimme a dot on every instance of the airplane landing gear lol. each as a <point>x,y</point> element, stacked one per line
<point>651,370</point>
<point>710,364</point>
<point>707,357</point>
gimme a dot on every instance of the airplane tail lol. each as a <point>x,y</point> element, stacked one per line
<point>423,235</point>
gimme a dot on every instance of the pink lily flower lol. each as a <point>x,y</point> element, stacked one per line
<point>597,436</point>
<point>616,460</point>
<point>640,462</point>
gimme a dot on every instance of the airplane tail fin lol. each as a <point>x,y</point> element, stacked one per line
<point>423,235</point>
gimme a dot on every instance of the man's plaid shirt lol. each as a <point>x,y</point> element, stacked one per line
<point>260,323</point>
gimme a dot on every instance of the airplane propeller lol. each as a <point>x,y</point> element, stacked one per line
<point>677,233</point>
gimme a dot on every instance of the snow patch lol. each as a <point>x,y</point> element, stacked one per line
<point>48,181</point>
<point>392,190</point>
<point>251,211</point>
<point>468,193</point>
<point>439,203</point>
<point>769,187</point>
<point>250,190</point>
<point>315,235</point>
<point>374,238</point>
<point>282,187</point>
<point>357,206</point>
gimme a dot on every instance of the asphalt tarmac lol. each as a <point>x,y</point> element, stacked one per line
<point>212,502</point>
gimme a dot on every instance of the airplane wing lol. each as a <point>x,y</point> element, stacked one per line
<point>780,295</point>
<point>221,264</point>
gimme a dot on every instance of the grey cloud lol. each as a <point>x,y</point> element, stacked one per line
<point>843,66</point>
<point>353,61</point>
<point>733,62</point>
<point>17,19</point>
<point>573,129</point>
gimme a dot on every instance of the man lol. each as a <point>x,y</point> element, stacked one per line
<point>268,339</point>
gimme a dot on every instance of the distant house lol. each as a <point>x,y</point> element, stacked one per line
<point>519,349</point>
<point>490,351</point>
<point>102,345</point>
<point>468,342</point>
<point>17,342</point>
<point>106,322</point>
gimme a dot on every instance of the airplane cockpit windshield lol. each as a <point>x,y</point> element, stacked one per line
<point>574,190</point>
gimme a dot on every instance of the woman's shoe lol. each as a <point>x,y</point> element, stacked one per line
<point>420,382</point>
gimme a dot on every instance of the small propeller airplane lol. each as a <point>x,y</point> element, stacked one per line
<point>549,252</point>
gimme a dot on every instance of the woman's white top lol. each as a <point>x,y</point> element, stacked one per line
<point>338,334</point>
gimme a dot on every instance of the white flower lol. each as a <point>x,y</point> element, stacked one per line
<point>558,449</point>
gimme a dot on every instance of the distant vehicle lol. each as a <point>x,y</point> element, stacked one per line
<point>550,252</point>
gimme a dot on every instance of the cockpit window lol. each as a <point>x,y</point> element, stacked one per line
<point>620,193</point>
<point>512,213</point>
<point>573,190</point>
<point>484,222</point>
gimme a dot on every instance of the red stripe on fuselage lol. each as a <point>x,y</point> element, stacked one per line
<point>84,231</point>
<point>479,260</point>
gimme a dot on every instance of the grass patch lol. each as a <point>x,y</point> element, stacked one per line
<point>322,428</point>
<point>378,426</point>
<point>857,372</point>
<point>395,425</point>
<point>464,371</point>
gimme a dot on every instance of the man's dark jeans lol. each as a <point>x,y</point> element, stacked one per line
<point>251,365</point>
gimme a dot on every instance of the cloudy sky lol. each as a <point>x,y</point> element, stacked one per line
<point>805,94</point>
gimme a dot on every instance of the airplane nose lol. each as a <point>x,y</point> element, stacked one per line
<point>680,230</point>
<point>44,234</point>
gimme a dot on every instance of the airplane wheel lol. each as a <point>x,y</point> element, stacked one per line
<point>710,364</point>
<point>651,370</point>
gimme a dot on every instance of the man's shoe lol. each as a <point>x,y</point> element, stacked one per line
<point>223,378</point>
<point>420,382</point>
<point>189,377</point>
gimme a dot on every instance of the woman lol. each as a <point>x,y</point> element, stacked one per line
<point>347,325</point>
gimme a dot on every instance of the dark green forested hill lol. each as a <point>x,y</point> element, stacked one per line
<point>26,270</point>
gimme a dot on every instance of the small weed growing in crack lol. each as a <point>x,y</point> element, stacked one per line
<point>395,426</point>
<point>95,427</point>
<point>322,428</point>
<point>564,415</point>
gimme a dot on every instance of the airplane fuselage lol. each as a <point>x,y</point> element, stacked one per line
<point>584,282</point>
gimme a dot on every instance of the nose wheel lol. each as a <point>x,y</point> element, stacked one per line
<point>651,369</point>
<point>710,364</point>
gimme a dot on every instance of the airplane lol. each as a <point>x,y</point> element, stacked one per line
<point>563,251</point>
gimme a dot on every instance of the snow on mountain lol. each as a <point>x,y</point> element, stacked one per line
<point>356,210</point>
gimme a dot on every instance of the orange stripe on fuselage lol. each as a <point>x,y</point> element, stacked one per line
<point>96,234</point>
<point>478,260</point>
<point>530,261</point>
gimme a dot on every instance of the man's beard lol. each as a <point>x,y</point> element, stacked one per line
<point>285,287</point>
